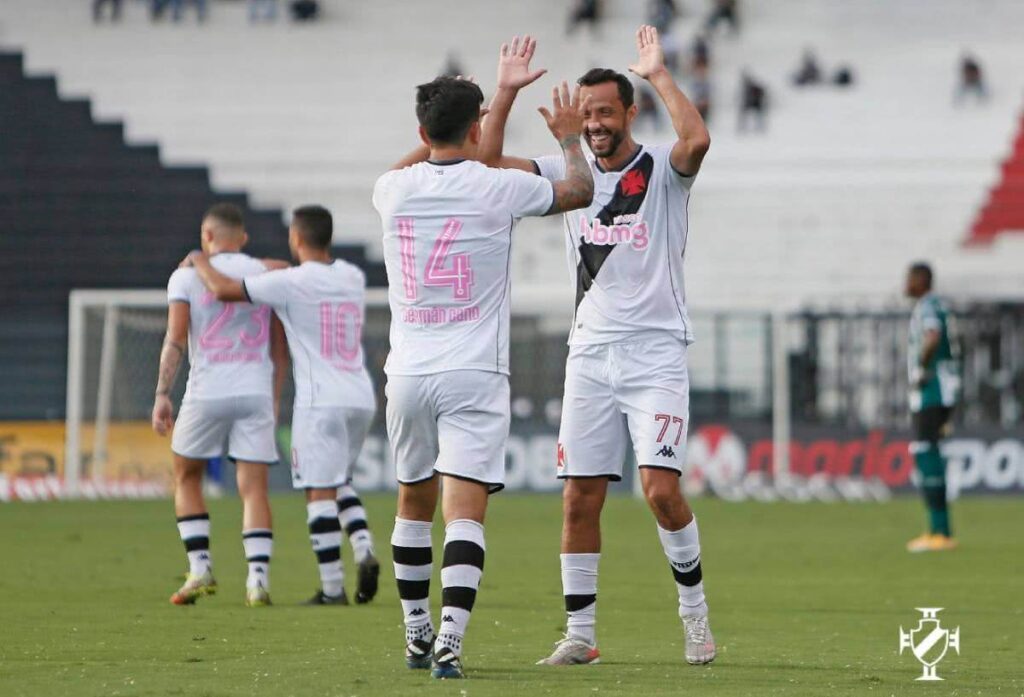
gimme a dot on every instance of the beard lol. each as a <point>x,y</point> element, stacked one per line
<point>607,146</point>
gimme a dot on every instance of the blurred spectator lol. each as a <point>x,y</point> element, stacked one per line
<point>809,72</point>
<point>453,66</point>
<point>661,14</point>
<point>585,11</point>
<point>843,77</point>
<point>670,48</point>
<point>115,9</point>
<point>177,9</point>
<point>724,11</point>
<point>753,103</point>
<point>262,10</point>
<point>700,92</point>
<point>647,107</point>
<point>305,10</point>
<point>701,52</point>
<point>972,80</point>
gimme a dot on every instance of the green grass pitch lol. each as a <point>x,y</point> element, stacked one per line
<point>806,599</point>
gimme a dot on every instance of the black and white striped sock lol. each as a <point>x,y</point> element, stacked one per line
<point>325,535</point>
<point>195,535</point>
<point>353,520</point>
<point>461,571</point>
<point>414,563</point>
<point>258,544</point>
<point>579,585</point>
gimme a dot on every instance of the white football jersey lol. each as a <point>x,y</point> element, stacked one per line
<point>321,307</point>
<point>626,250</point>
<point>228,343</point>
<point>447,238</point>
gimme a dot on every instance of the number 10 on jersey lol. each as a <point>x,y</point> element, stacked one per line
<point>443,269</point>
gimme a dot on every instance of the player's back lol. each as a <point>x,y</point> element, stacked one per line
<point>447,239</point>
<point>322,307</point>
<point>228,342</point>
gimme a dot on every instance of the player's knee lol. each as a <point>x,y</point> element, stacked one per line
<point>581,507</point>
<point>668,506</point>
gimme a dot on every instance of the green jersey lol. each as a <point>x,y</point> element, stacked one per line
<point>936,384</point>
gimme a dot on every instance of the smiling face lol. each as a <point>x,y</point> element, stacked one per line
<point>607,120</point>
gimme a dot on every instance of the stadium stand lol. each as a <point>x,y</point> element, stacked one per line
<point>101,213</point>
<point>844,188</point>
<point>1004,211</point>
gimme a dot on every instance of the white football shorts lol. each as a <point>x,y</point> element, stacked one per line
<point>454,423</point>
<point>637,390</point>
<point>240,427</point>
<point>326,442</point>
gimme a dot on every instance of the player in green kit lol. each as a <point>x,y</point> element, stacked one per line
<point>934,380</point>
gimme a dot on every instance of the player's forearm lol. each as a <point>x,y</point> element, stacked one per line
<point>223,287</point>
<point>170,362</point>
<point>576,190</point>
<point>686,120</point>
<point>492,139</point>
<point>420,154</point>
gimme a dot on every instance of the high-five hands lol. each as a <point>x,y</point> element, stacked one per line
<point>514,64</point>
<point>565,119</point>
<point>650,58</point>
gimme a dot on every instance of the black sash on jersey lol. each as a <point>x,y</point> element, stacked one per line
<point>635,180</point>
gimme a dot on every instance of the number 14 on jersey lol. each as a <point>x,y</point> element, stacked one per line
<point>443,269</point>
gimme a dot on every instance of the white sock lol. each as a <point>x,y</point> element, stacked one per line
<point>682,547</point>
<point>258,544</point>
<point>579,586</point>
<point>353,520</point>
<point>461,571</point>
<point>325,535</point>
<point>195,535</point>
<point>413,557</point>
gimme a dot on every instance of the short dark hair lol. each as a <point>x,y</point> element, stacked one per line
<point>227,213</point>
<point>446,108</point>
<point>315,225</point>
<point>924,270</point>
<point>598,76</point>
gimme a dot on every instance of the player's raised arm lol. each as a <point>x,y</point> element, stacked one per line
<point>171,353</point>
<point>565,121</point>
<point>513,74</point>
<point>224,288</point>
<point>694,140</point>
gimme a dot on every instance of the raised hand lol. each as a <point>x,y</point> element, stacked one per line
<point>650,57</point>
<point>514,64</point>
<point>565,120</point>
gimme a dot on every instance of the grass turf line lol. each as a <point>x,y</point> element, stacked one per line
<point>805,598</point>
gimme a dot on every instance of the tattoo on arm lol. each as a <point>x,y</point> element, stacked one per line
<point>170,361</point>
<point>576,190</point>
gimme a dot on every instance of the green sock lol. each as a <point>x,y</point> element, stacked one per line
<point>932,467</point>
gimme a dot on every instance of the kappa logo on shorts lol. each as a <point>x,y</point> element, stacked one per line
<point>561,457</point>
<point>666,451</point>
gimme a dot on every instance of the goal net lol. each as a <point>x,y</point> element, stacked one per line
<point>115,338</point>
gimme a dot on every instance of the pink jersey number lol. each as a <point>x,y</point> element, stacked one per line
<point>438,273</point>
<point>214,338</point>
<point>341,333</point>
